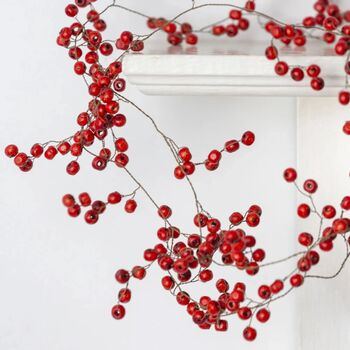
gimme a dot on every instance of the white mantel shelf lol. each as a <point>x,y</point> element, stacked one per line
<point>229,68</point>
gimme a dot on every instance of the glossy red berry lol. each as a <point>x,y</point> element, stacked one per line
<point>164,212</point>
<point>329,212</point>
<point>118,312</point>
<point>122,276</point>
<point>206,275</point>
<point>71,10</point>
<point>303,210</point>
<point>85,199</point>
<point>317,84</point>
<point>297,74</point>
<point>310,186</point>
<point>11,151</point>
<point>290,175</point>
<point>281,68</point>
<point>296,280</point>
<point>214,156</point>
<point>248,138</point>
<point>346,128</point>
<point>222,285</point>
<point>124,295</point>
<point>130,206</point>
<point>168,283</point>
<point>91,217</point>
<point>68,200</point>
<point>313,71</point>
<point>345,203</point>
<point>121,160</point>
<point>344,97</point>
<point>305,239</point>
<point>249,333</point>
<point>138,272</point>
<point>264,292</point>
<point>277,286</point>
<point>271,52</point>
<point>263,315</point>
<point>231,146</point>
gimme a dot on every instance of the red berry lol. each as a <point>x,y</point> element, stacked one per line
<point>290,175</point>
<point>271,52</point>
<point>310,186</point>
<point>185,154</point>
<point>222,285</point>
<point>346,128</point>
<point>164,212</point>
<point>304,210</point>
<point>85,199</point>
<point>73,168</point>
<point>183,298</point>
<point>297,74</point>
<point>305,239</point>
<point>21,159</point>
<point>168,283</point>
<point>114,198</point>
<point>264,292</point>
<point>248,138</point>
<point>340,226</point>
<point>345,204</point>
<point>231,146</point>
<point>79,68</point>
<point>122,276</point>
<point>139,272</point>
<point>281,68</point>
<point>71,10</point>
<point>124,295</point>
<point>344,97</point>
<point>329,212</point>
<point>263,315</point>
<point>313,71</point>
<point>317,84</point>
<point>121,160</point>
<point>235,14</point>
<point>91,217</point>
<point>37,150</point>
<point>214,156</point>
<point>74,211</point>
<point>249,333</point>
<point>68,200</point>
<point>118,312</point>
<point>206,275</point>
<point>277,286</point>
<point>191,39</point>
<point>296,280</point>
<point>130,206</point>
<point>221,325</point>
<point>11,151</point>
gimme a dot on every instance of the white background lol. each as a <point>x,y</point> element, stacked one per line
<point>56,273</point>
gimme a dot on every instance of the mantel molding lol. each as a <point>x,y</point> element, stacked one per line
<point>241,69</point>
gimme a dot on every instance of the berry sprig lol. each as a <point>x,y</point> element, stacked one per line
<point>187,167</point>
<point>97,207</point>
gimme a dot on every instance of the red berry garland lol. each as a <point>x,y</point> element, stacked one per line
<point>216,242</point>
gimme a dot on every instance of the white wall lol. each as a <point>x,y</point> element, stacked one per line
<point>57,274</point>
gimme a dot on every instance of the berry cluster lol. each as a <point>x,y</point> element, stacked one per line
<point>187,167</point>
<point>187,258</point>
<point>177,33</point>
<point>239,23</point>
<point>97,207</point>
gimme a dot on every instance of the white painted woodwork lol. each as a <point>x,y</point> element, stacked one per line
<point>323,153</point>
<point>322,150</point>
<point>229,68</point>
